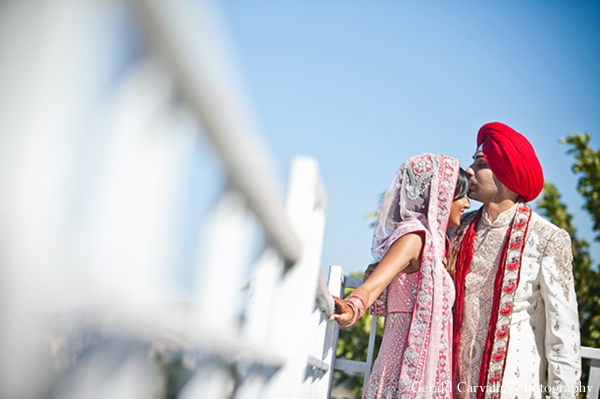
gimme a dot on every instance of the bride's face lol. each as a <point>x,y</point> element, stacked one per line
<point>456,211</point>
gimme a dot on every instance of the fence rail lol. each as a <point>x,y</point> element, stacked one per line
<point>195,51</point>
<point>594,373</point>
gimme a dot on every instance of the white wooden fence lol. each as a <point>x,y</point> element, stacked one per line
<point>128,269</point>
<point>127,239</point>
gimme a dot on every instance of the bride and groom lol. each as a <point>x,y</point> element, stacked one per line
<point>453,302</point>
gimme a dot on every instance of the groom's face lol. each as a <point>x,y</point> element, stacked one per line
<point>484,186</point>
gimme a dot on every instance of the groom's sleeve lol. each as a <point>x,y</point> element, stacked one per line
<point>562,337</point>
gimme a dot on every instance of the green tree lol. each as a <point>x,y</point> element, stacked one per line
<point>587,165</point>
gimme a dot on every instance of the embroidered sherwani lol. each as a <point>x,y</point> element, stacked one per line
<point>544,324</point>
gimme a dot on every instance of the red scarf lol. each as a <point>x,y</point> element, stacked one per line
<point>505,283</point>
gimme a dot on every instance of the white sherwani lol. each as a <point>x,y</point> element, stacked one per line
<point>544,324</point>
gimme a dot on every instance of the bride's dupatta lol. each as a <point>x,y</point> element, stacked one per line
<point>419,201</point>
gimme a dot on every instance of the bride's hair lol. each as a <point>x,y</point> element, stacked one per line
<point>462,185</point>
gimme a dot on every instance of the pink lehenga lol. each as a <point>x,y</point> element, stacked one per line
<point>415,358</point>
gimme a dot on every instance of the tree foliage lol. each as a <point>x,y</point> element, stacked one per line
<point>587,165</point>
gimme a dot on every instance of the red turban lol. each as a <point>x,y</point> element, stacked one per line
<point>512,159</point>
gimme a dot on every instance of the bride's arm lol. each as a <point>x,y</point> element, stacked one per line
<point>405,250</point>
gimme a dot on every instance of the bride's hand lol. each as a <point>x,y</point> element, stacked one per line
<point>343,313</point>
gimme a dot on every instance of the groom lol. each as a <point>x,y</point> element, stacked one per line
<point>515,306</point>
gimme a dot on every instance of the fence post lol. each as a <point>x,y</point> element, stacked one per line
<point>294,300</point>
<point>336,287</point>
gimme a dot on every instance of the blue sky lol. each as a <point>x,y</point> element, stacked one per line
<point>362,86</point>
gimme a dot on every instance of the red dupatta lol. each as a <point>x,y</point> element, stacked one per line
<point>505,284</point>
